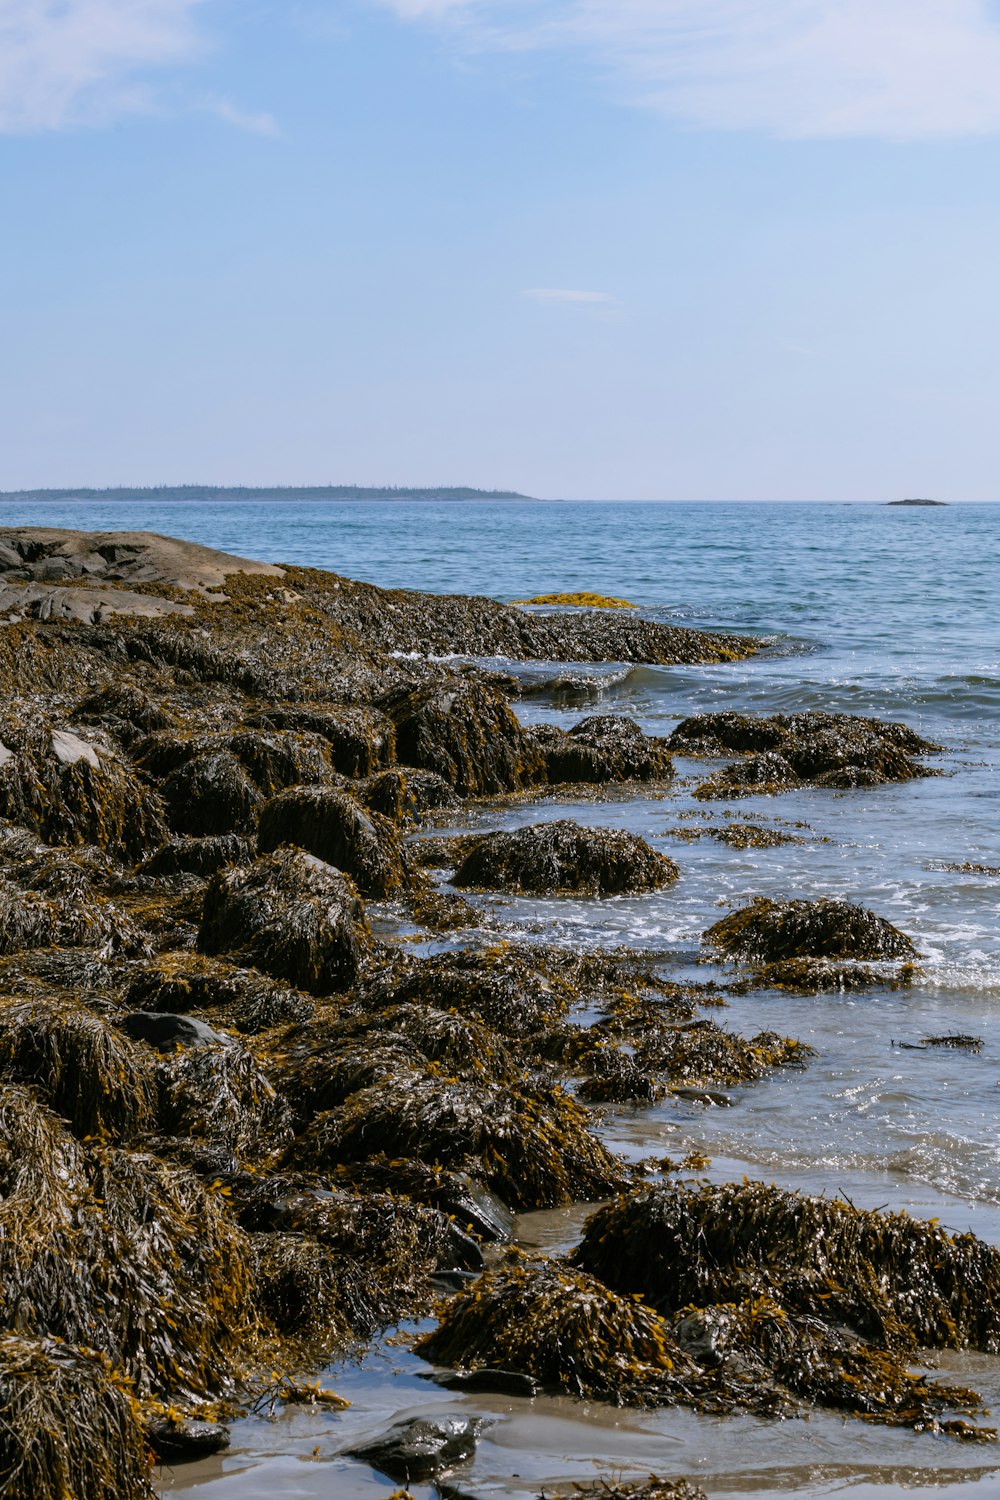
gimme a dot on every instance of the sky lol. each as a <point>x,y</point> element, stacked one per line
<point>649,249</point>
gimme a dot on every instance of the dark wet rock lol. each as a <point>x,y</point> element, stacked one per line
<point>768,931</point>
<point>532,1150</point>
<point>421,1448</point>
<point>406,795</point>
<point>180,1440</point>
<point>547,858</point>
<point>290,915</point>
<point>243,999</point>
<point>488,1382</point>
<point>336,828</point>
<point>198,856</point>
<point>166,1032</point>
<point>466,733</point>
<point>606,748</point>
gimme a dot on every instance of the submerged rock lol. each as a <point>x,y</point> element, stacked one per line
<point>547,858</point>
<point>422,1448</point>
<point>292,916</point>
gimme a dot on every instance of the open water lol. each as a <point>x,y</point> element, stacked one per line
<point>865,609</point>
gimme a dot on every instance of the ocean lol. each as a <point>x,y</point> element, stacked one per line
<point>867,609</point>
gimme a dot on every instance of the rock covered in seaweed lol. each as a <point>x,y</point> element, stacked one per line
<point>533,1150</point>
<point>767,931</point>
<point>290,915</point>
<point>564,1328</point>
<point>466,733</point>
<point>335,827</point>
<point>69,1426</point>
<point>788,750</point>
<point>896,1281</point>
<point>546,858</point>
<point>604,748</point>
<point>68,789</point>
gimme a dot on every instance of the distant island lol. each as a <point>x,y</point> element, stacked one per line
<point>159,492</point>
<point>917,502</point>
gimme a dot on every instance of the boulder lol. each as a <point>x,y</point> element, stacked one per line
<point>465,732</point>
<point>549,858</point>
<point>605,748</point>
<point>767,931</point>
<point>290,915</point>
<point>336,828</point>
<point>421,1448</point>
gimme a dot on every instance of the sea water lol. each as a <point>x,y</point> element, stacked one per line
<point>865,609</point>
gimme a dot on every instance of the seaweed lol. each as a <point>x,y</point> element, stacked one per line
<point>290,915</point>
<point>244,999</point>
<point>899,1282</point>
<point>562,856</point>
<point>335,827</point>
<point>89,1073</point>
<point>582,601</point>
<point>601,749</point>
<point>220,1095</point>
<point>465,732</point>
<point>119,1252</point>
<point>69,1425</point>
<point>534,1151</point>
<point>767,931</point>
<point>505,986</point>
<point>566,1330</point>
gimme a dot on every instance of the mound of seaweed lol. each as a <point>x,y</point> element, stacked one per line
<point>767,931</point>
<point>534,1150</point>
<point>465,731</point>
<point>335,827</point>
<point>290,915</point>
<point>69,790</point>
<point>118,1252</point>
<point>509,988</point>
<point>896,1281</point>
<point>69,1427</point>
<point>546,858</point>
<point>566,1330</point>
<point>787,750</point>
<point>243,999</point>
<point>602,749</point>
<point>89,1073</point>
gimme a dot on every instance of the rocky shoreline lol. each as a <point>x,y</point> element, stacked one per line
<point>243,1132</point>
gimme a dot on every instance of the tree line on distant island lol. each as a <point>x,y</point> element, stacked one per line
<point>264,492</point>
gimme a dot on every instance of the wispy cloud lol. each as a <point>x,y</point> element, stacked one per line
<point>897,69</point>
<point>256,122</point>
<point>64,62</point>
<point>565,296</point>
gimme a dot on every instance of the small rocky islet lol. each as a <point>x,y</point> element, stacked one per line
<point>245,1129</point>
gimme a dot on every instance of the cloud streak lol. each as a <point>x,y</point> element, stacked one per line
<point>564,297</point>
<point>66,62</point>
<point>895,69</point>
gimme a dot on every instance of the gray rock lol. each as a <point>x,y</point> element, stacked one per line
<point>165,1031</point>
<point>421,1448</point>
<point>69,748</point>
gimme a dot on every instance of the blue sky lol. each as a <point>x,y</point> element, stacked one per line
<point>679,249</point>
